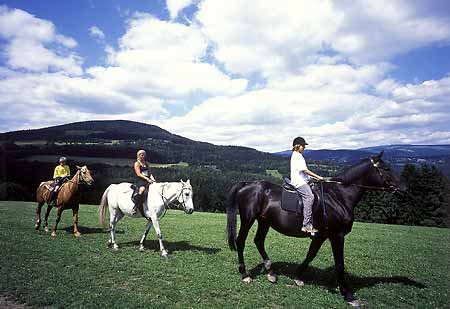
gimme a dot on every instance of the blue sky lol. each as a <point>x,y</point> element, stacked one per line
<point>257,73</point>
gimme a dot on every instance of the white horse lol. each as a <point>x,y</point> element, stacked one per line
<point>160,195</point>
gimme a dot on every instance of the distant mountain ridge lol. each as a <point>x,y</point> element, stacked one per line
<point>95,129</point>
<point>390,151</point>
<point>124,130</point>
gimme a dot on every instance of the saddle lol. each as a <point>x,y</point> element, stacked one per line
<point>290,199</point>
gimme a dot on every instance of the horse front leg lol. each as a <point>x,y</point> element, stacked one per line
<point>314,247</point>
<point>164,252</point>
<point>337,245</point>
<point>58,218</point>
<point>75,209</point>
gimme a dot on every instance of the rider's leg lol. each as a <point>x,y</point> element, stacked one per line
<point>308,200</point>
<point>53,196</point>
<point>138,200</point>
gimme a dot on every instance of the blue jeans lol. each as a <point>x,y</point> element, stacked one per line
<point>308,200</point>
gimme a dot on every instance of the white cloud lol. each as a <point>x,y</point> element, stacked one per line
<point>282,38</point>
<point>27,40</point>
<point>96,33</point>
<point>318,69</point>
<point>261,36</point>
<point>165,59</point>
<point>176,6</point>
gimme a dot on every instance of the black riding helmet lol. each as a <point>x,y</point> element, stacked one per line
<point>299,141</point>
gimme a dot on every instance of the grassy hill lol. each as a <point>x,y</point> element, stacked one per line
<point>388,266</point>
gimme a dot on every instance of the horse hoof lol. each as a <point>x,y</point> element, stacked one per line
<point>247,280</point>
<point>355,303</point>
<point>46,229</point>
<point>115,248</point>
<point>53,234</point>
<point>272,278</point>
<point>77,234</point>
<point>299,283</point>
<point>164,253</point>
<point>141,248</point>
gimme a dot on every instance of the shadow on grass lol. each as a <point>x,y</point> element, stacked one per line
<point>171,246</point>
<point>327,278</point>
<point>89,230</point>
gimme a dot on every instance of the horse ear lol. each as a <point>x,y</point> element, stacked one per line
<point>181,180</point>
<point>188,182</point>
<point>377,158</point>
<point>79,167</point>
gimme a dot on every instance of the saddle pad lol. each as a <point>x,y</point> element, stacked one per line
<point>290,201</point>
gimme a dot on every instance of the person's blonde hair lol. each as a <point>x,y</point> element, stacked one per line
<point>139,152</point>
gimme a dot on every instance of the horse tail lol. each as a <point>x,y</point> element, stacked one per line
<point>232,210</point>
<point>103,205</point>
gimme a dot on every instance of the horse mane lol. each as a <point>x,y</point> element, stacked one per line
<point>354,172</point>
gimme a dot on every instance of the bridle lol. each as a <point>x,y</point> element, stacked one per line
<point>168,203</point>
<point>79,180</point>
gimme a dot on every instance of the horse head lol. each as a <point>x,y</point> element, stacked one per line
<point>85,175</point>
<point>383,176</point>
<point>185,197</point>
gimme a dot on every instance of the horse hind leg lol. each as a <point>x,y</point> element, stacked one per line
<point>260,237</point>
<point>240,245</point>
<point>47,213</point>
<point>37,225</point>
<point>58,218</point>
<point>114,217</point>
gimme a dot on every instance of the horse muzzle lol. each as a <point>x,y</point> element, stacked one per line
<point>189,211</point>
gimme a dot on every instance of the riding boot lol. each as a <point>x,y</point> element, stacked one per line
<point>138,203</point>
<point>51,199</point>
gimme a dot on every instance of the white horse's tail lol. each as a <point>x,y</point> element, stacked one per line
<point>103,205</point>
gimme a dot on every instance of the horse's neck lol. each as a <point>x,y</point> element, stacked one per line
<point>73,182</point>
<point>170,190</point>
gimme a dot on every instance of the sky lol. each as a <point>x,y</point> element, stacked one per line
<point>256,73</point>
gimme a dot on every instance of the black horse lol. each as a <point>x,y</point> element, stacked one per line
<point>332,216</point>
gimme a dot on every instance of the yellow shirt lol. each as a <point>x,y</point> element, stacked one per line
<point>61,171</point>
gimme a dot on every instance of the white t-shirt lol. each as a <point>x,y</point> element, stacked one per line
<point>298,166</point>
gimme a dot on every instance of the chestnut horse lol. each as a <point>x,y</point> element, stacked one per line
<point>67,198</point>
<point>333,216</point>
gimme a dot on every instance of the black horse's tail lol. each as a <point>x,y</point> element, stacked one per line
<point>232,210</point>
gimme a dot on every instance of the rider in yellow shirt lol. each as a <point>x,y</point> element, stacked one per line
<point>60,175</point>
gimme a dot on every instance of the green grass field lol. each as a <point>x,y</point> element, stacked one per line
<point>388,266</point>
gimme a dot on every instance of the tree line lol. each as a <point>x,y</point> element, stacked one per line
<point>426,202</point>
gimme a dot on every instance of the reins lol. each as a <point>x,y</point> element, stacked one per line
<point>357,185</point>
<point>168,203</point>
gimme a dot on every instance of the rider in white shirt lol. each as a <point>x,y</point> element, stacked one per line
<point>300,175</point>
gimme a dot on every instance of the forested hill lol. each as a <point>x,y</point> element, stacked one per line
<point>95,130</point>
<point>121,139</point>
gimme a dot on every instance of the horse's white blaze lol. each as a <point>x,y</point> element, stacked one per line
<point>118,199</point>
